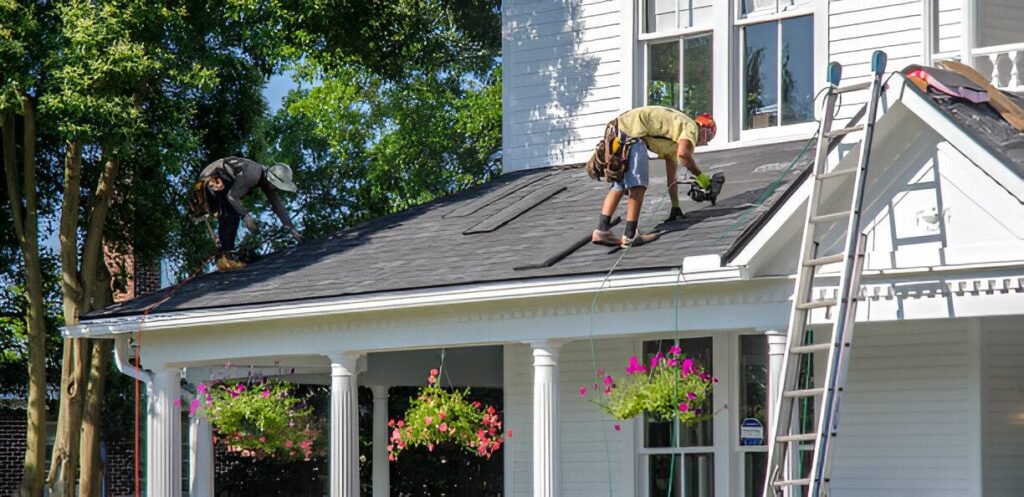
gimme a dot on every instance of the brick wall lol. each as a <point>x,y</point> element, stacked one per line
<point>12,452</point>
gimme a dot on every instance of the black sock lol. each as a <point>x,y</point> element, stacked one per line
<point>604,223</point>
<point>631,229</point>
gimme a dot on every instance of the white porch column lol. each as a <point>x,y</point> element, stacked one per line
<point>776,350</point>
<point>547,477</point>
<point>344,443</point>
<point>200,465</point>
<point>163,435</point>
<point>381,465</point>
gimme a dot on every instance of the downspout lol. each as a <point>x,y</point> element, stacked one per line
<point>121,348</point>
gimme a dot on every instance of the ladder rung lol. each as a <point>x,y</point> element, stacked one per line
<point>800,437</point>
<point>830,218</point>
<point>810,349</point>
<point>821,261</point>
<point>793,483</point>
<point>843,131</point>
<point>836,173</point>
<point>849,88</point>
<point>814,304</point>
<point>799,394</point>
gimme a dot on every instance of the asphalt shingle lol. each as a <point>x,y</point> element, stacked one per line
<point>426,246</point>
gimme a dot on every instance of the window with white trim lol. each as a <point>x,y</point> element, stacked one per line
<point>677,460</point>
<point>676,43</point>
<point>777,59</point>
<point>753,403</point>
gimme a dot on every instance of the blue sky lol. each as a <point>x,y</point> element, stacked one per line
<point>277,88</point>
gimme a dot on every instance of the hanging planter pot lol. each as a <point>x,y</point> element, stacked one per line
<point>260,419</point>
<point>669,387</point>
<point>439,416</point>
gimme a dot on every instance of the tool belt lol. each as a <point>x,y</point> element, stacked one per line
<point>611,156</point>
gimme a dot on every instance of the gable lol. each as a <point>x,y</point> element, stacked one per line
<point>935,197</point>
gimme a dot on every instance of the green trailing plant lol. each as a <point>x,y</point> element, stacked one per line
<point>438,416</point>
<point>670,387</point>
<point>260,419</point>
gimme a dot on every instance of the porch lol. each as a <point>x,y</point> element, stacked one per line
<point>985,33</point>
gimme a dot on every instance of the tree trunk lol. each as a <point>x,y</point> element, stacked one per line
<point>64,460</point>
<point>27,232</point>
<point>92,421</point>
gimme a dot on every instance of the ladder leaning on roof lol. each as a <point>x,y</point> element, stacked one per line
<point>827,394</point>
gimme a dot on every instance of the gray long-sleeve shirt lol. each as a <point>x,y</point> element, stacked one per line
<point>240,177</point>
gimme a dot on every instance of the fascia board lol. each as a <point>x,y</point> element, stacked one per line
<point>550,287</point>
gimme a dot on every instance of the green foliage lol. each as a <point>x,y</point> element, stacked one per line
<point>673,388</point>
<point>260,418</point>
<point>439,416</point>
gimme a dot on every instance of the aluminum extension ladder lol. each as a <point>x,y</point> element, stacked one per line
<point>791,430</point>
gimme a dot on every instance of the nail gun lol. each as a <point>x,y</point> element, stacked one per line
<point>710,193</point>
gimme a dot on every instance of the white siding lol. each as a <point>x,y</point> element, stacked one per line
<point>585,450</point>
<point>859,27</point>
<point>904,427</point>
<point>1003,436</point>
<point>564,74</point>
<point>948,26</point>
<point>1000,22</point>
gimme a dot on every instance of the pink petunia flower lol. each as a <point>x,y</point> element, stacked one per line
<point>617,427</point>
<point>654,360</point>
<point>201,388</point>
<point>427,420</point>
<point>443,427</point>
<point>434,372</point>
<point>193,407</point>
<point>240,388</point>
<point>265,394</point>
<point>683,407</point>
<point>583,391</point>
<point>635,366</point>
<point>289,444</point>
<point>675,350</point>
<point>608,380</point>
<point>441,416</point>
<point>691,395</point>
<point>688,367</point>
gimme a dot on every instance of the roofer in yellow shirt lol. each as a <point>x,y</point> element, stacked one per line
<point>621,159</point>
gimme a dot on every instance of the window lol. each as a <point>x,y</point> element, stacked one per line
<point>753,390</point>
<point>665,16</point>
<point>778,86</point>
<point>679,74</point>
<point>750,8</point>
<point>678,461</point>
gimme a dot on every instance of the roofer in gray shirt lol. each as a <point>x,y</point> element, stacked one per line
<point>221,186</point>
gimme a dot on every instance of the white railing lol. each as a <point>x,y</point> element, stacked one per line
<point>1001,64</point>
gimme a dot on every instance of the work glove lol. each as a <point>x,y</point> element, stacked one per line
<point>703,180</point>
<point>251,223</point>
<point>675,213</point>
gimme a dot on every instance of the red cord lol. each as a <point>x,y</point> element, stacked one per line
<point>138,356</point>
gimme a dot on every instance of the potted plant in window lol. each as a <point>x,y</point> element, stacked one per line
<point>438,416</point>
<point>670,386</point>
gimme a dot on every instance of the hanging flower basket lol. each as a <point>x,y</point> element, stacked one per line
<point>260,419</point>
<point>669,387</point>
<point>438,416</point>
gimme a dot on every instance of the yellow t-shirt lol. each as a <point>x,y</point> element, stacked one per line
<point>661,128</point>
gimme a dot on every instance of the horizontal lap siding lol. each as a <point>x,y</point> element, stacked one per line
<point>859,27</point>
<point>586,452</point>
<point>563,79</point>
<point>1003,377</point>
<point>905,420</point>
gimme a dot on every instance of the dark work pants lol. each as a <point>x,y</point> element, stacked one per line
<point>227,226</point>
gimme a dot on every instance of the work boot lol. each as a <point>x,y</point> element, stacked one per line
<point>604,237</point>
<point>227,264</point>
<point>676,213</point>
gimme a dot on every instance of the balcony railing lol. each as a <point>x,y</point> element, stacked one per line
<point>1000,64</point>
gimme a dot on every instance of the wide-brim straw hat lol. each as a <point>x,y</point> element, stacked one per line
<point>280,175</point>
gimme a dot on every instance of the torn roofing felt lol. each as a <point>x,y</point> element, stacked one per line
<point>484,234</point>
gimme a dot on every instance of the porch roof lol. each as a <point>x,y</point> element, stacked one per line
<point>494,232</point>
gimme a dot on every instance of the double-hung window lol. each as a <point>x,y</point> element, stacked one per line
<point>676,460</point>
<point>676,41</point>
<point>776,62</point>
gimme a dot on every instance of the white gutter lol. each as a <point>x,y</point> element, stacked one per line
<point>121,360</point>
<point>703,269</point>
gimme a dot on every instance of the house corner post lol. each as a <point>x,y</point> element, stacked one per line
<point>344,442</point>
<point>776,353</point>
<point>381,474</point>
<point>547,477</point>
<point>201,461</point>
<point>163,444</point>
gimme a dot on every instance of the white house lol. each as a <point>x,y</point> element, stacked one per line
<point>503,275</point>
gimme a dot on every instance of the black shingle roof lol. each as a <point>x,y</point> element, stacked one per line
<point>983,123</point>
<point>485,233</point>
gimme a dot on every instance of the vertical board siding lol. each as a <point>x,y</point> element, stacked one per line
<point>1003,427</point>
<point>904,427</point>
<point>563,79</point>
<point>586,457</point>
<point>859,27</point>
